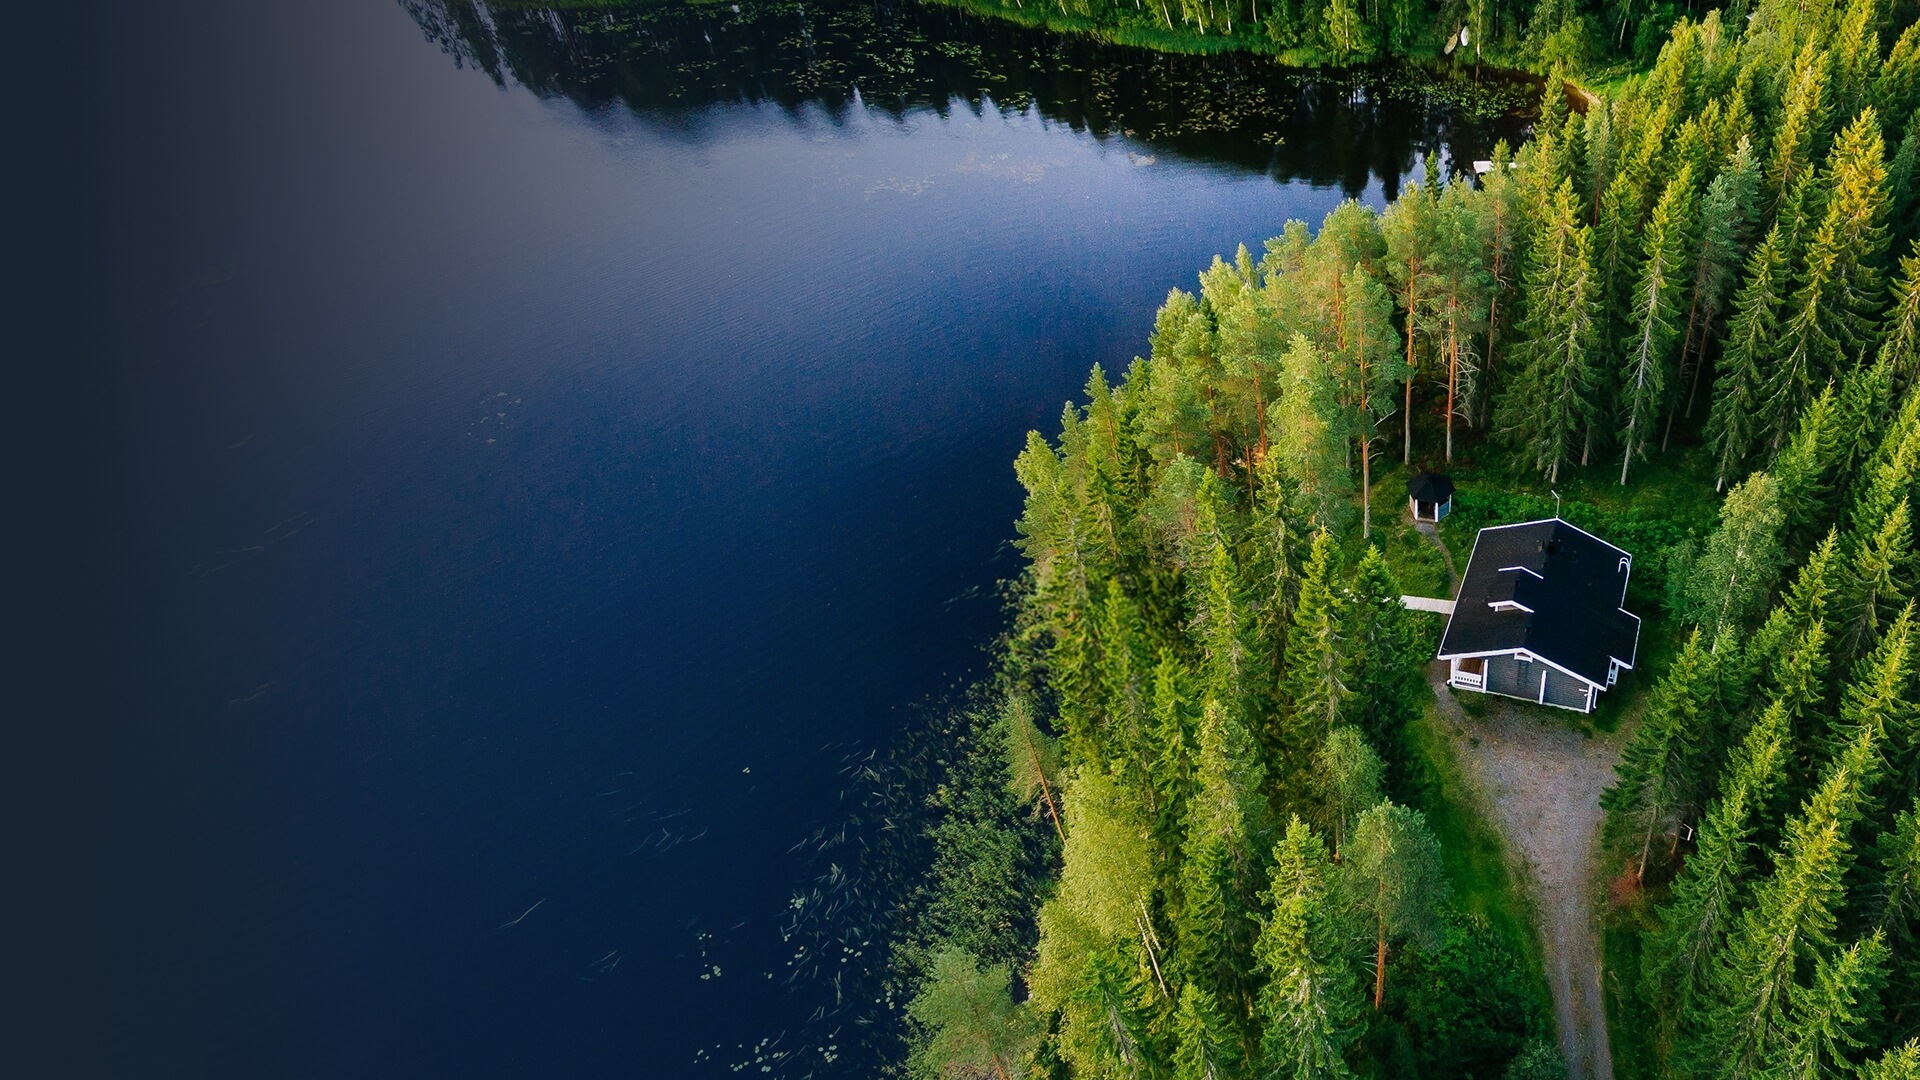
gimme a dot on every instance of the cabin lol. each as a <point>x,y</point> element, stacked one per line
<point>1541,616</point>
<point>1430,496</point>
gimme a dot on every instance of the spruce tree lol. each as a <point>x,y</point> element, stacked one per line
<point>1313,691</point>
<point>1678,957</point>
<point>1803,115</point>
<point>1895,903</point>
<point>1548,407</point>
<point>1878,579</point>
<point>1232,665</point>
<point>1125,665</point>
<point>1277,549</point>
<point>1735,425</point>
<point>1725,590</point>
<point>1206,1047</point>
<point>1900,1063</point>
<point>1309,1007</point>
<point>1826,1017</point>
<point>1900,348</point>
<point>1173,743</point>
<point>1789,924</point>
<point>1829,314</point>
<point>1657,773</point>
<point>1725,217</point>
<point>1804,469</point>
<point>1652,314</point>
<point>1383,662</point>
<point>1222,865</point>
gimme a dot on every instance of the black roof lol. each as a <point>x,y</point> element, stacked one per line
<point>1430,487</point>
<point>1575,584</point>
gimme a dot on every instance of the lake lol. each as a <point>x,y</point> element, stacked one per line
<point>530,457</point>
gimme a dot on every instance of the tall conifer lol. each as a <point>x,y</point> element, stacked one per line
<point>1309,1009</point>
<point>1735,425</point>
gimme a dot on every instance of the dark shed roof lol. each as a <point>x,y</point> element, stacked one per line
<point>1575,584</point>
<point>1430,487</point>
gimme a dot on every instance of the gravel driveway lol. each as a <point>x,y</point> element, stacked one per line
<point>1543,779</point>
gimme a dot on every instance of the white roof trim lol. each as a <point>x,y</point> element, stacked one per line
<point>1563,521</point>
<point>1533,655</point>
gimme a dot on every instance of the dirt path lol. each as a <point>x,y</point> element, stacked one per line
<point>1432,532</point>
<point>1542,780</point>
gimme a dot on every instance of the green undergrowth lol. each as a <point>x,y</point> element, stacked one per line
<point>1629,1021</point>
<point>1485,881</point>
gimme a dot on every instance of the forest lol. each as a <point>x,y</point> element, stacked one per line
<point>1195,825</point>
<point>1589,36</point>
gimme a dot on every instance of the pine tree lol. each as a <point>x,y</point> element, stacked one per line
<point>1411,229</point>
<point>1316,448</point>
<point>1309,1007</point>
<point>1390,872</point>
<point>1500,203</point>
<point>1349,774</point>
<point>1032,758</point>
<point>970,1021</point>
<point>1464,286</point>
<point>1367,367</point>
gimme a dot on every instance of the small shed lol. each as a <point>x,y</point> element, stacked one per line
<point>1430,495</point>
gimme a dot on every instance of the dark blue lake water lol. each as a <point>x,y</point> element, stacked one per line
<point>525,455</point>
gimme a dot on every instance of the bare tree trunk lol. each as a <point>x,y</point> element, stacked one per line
<point>1380,954</point>
<point>1453,376</point>
<point>1406,417</point>
<point>1366,484</point>
<point>1047,794</point>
